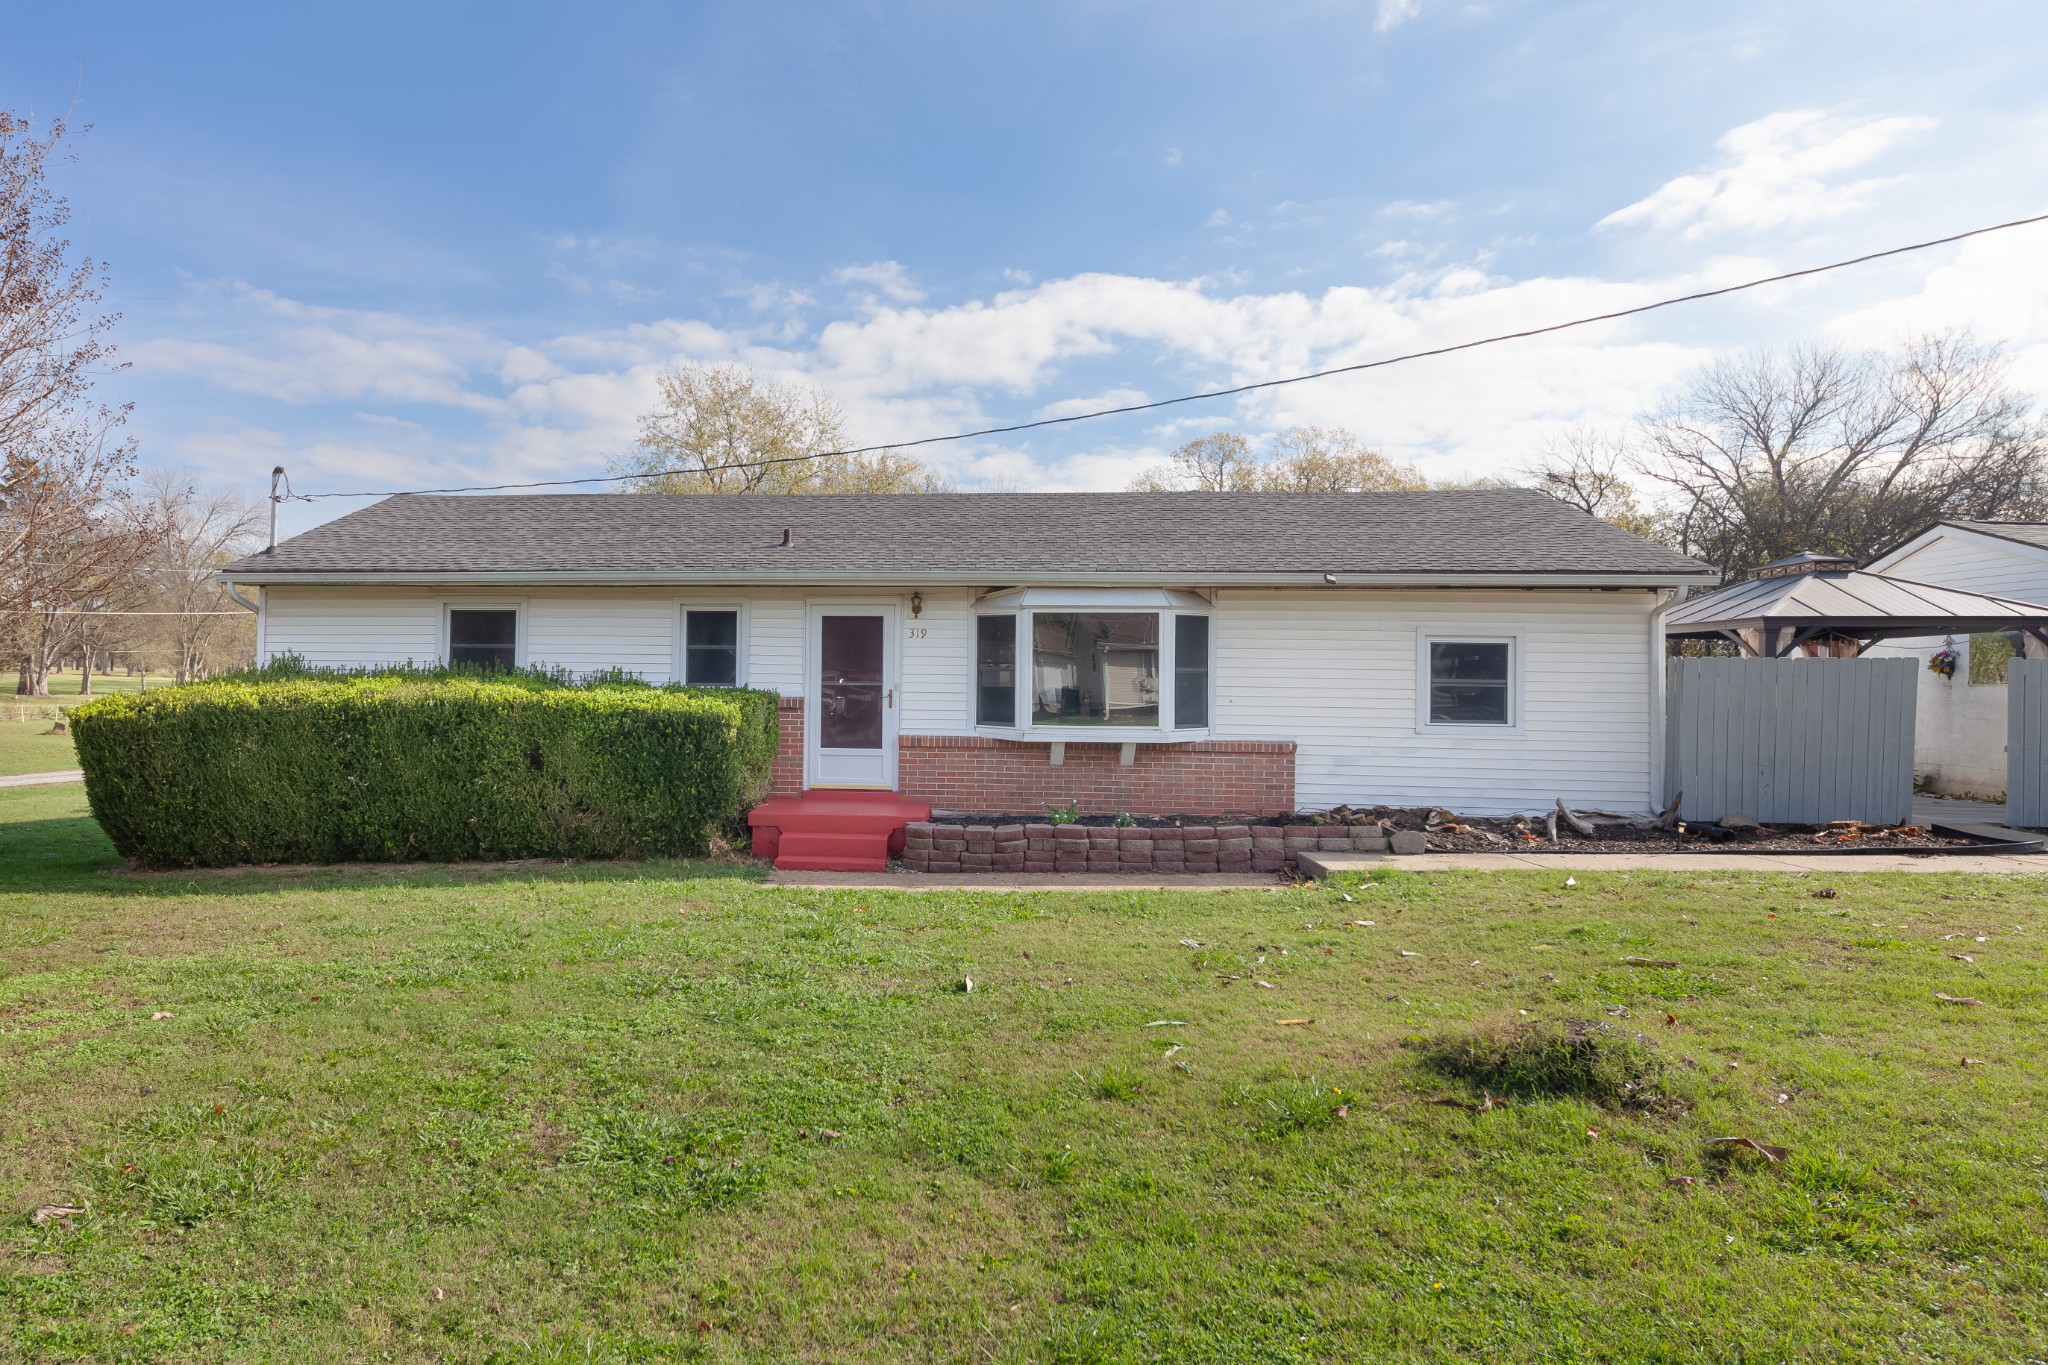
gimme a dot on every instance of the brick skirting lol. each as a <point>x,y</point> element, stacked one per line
<point>975,773</point>
<point>1094,848</point>
<point>1207,777</point>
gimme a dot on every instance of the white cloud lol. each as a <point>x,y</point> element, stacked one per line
<point>1394,13</point>
<point>1173,156</point>
<point>1417,208</point>
<point>1109,398</point>
<point>887,278</point>
<point>1780,170</point>
<point>309,354</point>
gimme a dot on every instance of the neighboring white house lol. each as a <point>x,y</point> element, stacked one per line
<point>1161,652</point>
<point>1959,748</point>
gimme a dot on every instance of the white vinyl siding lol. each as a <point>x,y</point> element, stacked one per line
<point>1336,672</point>
<point>775,644</point>
<point>351,631</point>
<point>935,664</point>
<point>591,634</point>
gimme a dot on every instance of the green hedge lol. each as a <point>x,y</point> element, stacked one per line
<point>283,766</point>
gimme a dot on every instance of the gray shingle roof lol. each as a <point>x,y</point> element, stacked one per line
<point>989,538</point>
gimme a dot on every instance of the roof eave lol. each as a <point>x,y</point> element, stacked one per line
<point>979,578</point>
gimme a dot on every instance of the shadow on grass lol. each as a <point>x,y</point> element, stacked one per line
<point>53,852</point>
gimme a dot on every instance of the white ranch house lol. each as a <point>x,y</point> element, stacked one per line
<point>1162,652</point>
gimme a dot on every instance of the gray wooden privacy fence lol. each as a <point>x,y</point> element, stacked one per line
<point>2026,743</point>
<point>1791,741</point>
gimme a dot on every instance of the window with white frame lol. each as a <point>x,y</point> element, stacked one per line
<point>1470,682</point>
<point>484,637</point>
<point>1092,667</point>
<point>711,646</point>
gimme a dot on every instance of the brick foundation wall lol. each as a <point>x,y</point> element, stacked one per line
<point>786,776</point>
<point>1091,848</point>
<point>1207,777</point>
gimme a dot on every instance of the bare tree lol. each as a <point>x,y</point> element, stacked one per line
<point>736,432</point>
<point>1587,467</point>
<point>200,629</point>
<point>75,537</point>
<point>69,535</point>
<point>1844,452</point>
<point>1300,460</point>
<point>52,334</point>
<point>1220,462</point>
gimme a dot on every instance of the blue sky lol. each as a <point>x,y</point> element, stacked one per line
<point>396,245</point>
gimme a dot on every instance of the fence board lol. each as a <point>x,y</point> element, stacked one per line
<point>1800,741</point>
<point>2026,743</point>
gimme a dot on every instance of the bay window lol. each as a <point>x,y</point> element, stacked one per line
<point>1083,661</point>
<point>995,670</point>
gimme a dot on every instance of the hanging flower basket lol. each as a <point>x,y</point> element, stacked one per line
<point>1943,663</point>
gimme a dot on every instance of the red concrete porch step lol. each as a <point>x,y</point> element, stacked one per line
<point>833,831</point>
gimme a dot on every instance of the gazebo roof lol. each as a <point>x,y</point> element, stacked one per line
<point>1807,594</point>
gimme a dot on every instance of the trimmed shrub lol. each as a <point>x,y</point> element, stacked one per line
<point>286,765</point>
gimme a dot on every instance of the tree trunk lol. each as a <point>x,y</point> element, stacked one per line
<point>84,673</point>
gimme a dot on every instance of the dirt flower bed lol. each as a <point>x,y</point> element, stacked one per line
<point>1449,832</point>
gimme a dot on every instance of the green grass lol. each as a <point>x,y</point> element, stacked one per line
<point>550,1114</point>
<point>25,747</point>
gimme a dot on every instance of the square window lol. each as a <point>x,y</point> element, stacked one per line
<point>1468,682</point>
<point>711,648</point>
<point>483,639</point>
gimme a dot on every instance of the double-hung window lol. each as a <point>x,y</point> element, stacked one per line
<point>711,647</point>
<point>1091,668</point>
<point>484,637</point>
<point>1470,682</point>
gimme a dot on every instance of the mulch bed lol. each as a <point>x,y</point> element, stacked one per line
<point>1448,832</point>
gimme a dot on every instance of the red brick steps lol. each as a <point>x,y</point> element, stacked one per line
<point>833,831</point>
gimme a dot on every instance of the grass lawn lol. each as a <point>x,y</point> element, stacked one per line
<point>666,1113</point>
<point>26,748</point>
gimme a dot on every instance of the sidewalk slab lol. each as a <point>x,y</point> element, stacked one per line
<point>43,779</point>
<point>2020,864</point>
<point>1028,881</point>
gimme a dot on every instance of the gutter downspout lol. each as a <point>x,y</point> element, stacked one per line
<point>1659,673</point>
<point>240,600</point>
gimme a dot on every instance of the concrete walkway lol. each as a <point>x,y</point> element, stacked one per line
<point>43,779</point>
<point>1561,864</point>
<point>1028,881</point>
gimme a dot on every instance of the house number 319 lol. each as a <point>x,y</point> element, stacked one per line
<point>917,632</point>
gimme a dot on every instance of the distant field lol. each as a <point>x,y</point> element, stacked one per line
<point>64,686</point>
<point>25,748</point>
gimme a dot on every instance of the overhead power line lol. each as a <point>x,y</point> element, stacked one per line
<point>1233,391</point>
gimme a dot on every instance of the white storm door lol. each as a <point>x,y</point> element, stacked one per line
<point>851,711</point>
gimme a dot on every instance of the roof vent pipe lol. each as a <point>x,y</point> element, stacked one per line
<point>788,537</point>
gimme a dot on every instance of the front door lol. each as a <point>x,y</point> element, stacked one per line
<point>850,728</point>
